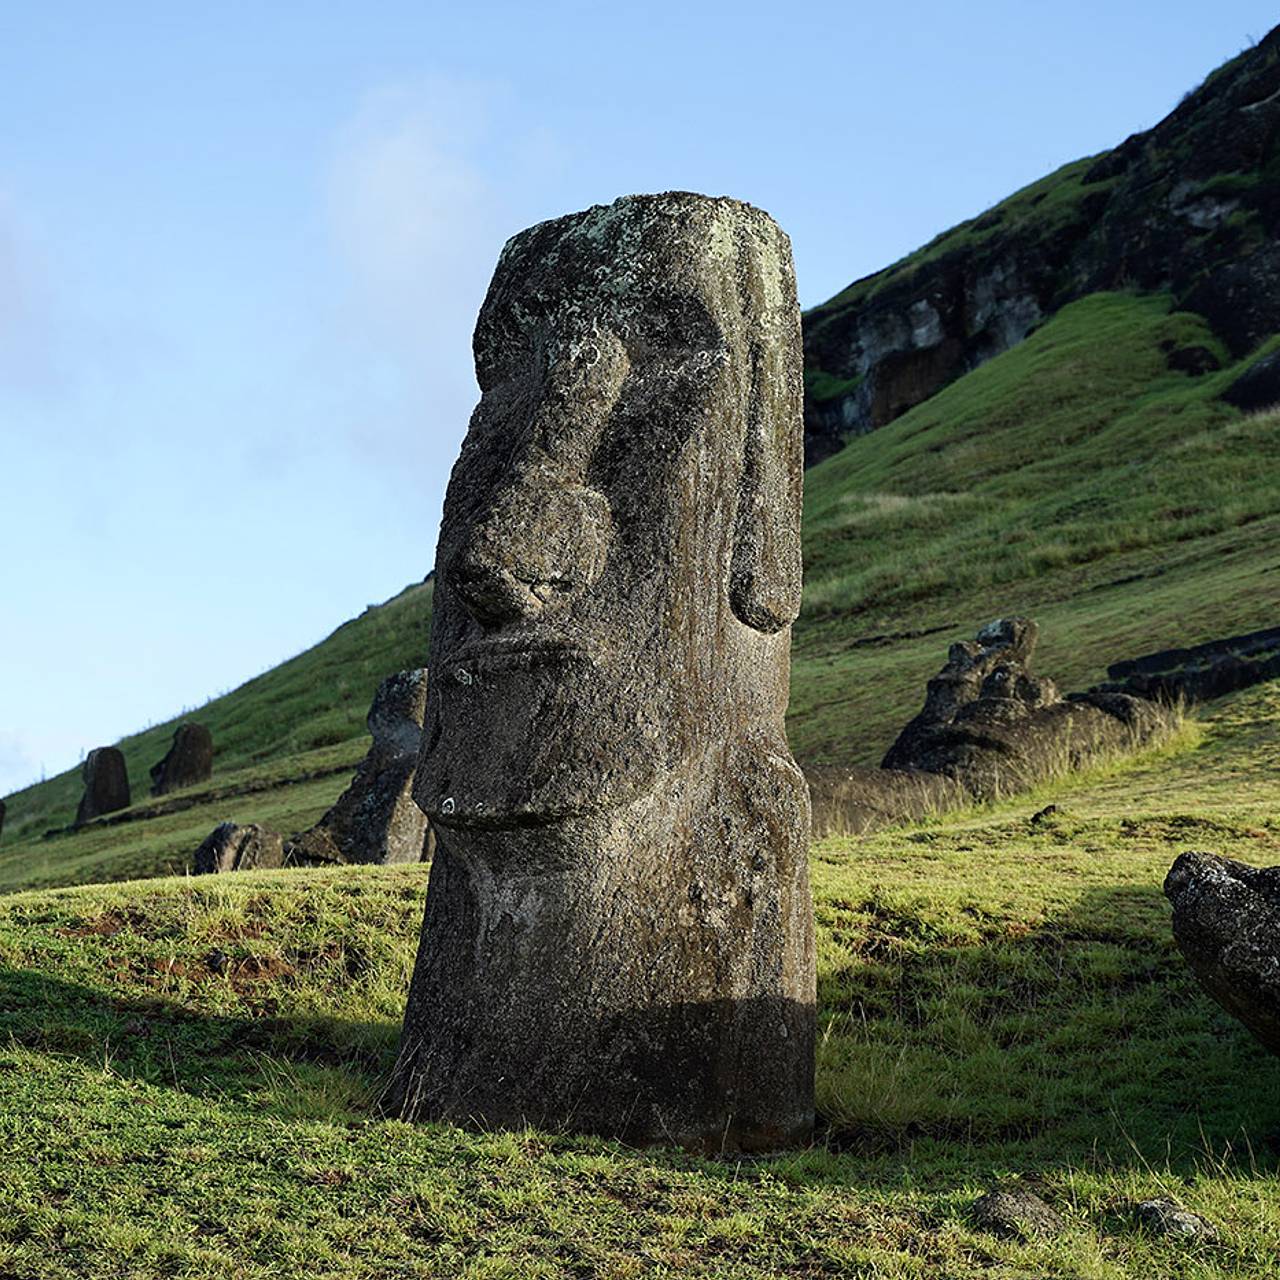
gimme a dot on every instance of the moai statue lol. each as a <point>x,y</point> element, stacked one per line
<point>188,761</point>
<point>106,784</point>
<point>619,930</point>
<point>375,818</point>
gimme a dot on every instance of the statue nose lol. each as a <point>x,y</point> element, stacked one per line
<point>539,545</point>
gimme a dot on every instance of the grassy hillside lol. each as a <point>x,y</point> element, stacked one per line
<point>190,1068</point>
<point>1075,478</point>
<point>316,700</point>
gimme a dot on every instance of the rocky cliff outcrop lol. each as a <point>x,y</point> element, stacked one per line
<point>1191,206</point>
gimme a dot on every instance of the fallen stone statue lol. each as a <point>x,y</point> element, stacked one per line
<point>619,932</point>
<point>375,819</point>
<point>1226,920</point>
<point>992,726</point>
<point>989,727</point>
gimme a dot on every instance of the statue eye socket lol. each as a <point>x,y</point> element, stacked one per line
<point>683,324</point>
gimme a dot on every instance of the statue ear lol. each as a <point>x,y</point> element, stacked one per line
<point>765,577</point>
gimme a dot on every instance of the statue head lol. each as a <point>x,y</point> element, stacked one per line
<point>619,556</point>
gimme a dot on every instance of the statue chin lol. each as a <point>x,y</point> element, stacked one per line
<point>509,747</point>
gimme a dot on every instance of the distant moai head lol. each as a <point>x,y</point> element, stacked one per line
<point>620,555</point>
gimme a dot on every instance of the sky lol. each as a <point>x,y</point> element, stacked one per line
<point>242,247</point>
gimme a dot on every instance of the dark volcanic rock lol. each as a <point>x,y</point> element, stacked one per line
<point>229,847</point>
<point>993,727</point>
<point>1226,919</point>
<point>1196,361</point>
<point>1258,387</point>
<point>1192,206</point>
<point>619,931</point>
<point>1165,1217</point>
<point>1199,673</point>
<point>1015,1213</point>
<point>188,761</point>
<point>106,784</point>
<point>376,819</point>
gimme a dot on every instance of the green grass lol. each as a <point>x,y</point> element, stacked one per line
<point>1074,479</point>
<point>316,700</point>
<point>189,1068</point>
<point>1042,208</point>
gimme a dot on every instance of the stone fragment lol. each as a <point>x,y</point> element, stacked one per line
<point>1015,1212</point>
<point>188,761</point>
<point>1226,921</point>
<point>376,819</point>
<point>1166,1217</point>
<point>619,931</point>
<point>106,784</point>
<point>993,727</point>
<point>229,847</point>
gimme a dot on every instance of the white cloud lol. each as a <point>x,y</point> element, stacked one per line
<point>27,360</point>
<point>420,221</point>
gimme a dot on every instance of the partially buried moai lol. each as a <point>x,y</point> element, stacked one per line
<point>619,931</point>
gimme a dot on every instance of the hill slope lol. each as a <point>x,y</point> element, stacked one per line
<point>190,1069</point>
<point>1191,207</point>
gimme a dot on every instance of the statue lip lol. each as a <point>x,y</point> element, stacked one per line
<point>525,645</point>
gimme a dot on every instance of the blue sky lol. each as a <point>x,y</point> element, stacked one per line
<point>242,247</point>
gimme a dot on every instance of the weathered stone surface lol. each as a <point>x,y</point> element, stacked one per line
<point>376,818</point>
<point>1226,920</point>
<point>188,761</point>
<point>106,784</point>
<point>994,728</point>
<point>1015,1212</point>
<point>1166,1217</point>
<point>618,933</point>
<point>229,847</point>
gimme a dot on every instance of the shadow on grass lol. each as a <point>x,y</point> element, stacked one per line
<point>1083,1042</point>
<point>161,1041</point>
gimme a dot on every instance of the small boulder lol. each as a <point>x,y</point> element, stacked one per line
<point>229,847</point>
<point>1226,920</point>
<point>106,784</point>
<point>1015,1213</point>
<point>1196,361</point>
<point>1165,1217</point>
<point>376,820</point>
<point>188,761</point>
<point>1258,387</point>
